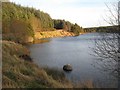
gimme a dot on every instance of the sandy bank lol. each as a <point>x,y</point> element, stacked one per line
<point>49,34</point>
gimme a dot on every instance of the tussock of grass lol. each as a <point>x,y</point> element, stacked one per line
<point>18,73</point>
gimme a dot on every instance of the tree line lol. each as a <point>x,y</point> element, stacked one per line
<point>21,22</point>
<point>104,29</point>
<point>68,26</point>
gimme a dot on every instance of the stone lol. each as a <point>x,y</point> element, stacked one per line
<point>67,67</point>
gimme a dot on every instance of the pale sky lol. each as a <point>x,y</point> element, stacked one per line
<point>86,13</point>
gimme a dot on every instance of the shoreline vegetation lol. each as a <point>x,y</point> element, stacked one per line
<point>21,25</point>
<point>19,72</point>
<point>24,24</point>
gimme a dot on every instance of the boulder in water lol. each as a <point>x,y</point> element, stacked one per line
<point>67,67</point>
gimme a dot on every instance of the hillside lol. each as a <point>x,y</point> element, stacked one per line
<point>20,24</point>
<point>21,73</point>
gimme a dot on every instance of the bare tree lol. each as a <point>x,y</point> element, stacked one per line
<point>107,49</point>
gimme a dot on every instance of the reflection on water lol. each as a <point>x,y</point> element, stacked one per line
<point>107,51</point>
<point>75,51</point>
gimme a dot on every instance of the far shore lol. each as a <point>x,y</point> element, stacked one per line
<point>52,34</point>
<point>56,33</point>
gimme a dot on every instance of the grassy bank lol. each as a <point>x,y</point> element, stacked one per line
<point>19,73</point>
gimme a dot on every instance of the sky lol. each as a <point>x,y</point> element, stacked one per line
<point>86,13</point>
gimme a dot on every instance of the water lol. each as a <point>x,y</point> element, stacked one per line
<point>75,51</point>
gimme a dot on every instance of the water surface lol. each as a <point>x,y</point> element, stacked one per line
<point>75,51</point>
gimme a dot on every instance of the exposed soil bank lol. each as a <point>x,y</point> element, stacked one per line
<point>50,34</point>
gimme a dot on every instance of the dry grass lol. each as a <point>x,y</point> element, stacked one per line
<point>85,84</point>
<point>18,73</point>
<point>23,74</point>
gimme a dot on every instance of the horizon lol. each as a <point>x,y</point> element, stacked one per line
<point>85,13</point>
